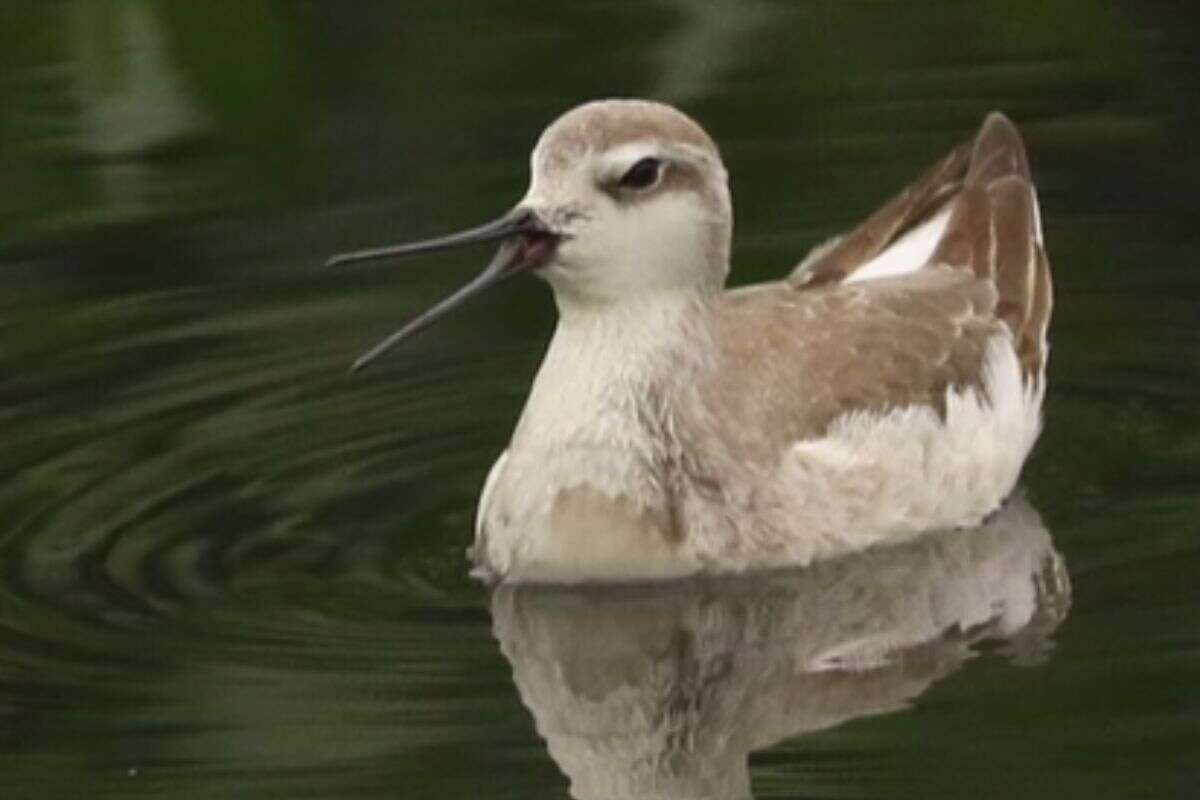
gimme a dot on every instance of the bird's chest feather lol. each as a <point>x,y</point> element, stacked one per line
<point>587,476</point>
<point>584,482</point>
<point>558,514</point>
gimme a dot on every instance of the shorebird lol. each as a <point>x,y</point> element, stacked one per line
<point>889,385</point>
<point>663,690</point>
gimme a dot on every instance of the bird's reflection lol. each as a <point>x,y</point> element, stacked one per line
<point>662,691</point>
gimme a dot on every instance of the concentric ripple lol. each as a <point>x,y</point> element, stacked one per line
<point>212,448</point>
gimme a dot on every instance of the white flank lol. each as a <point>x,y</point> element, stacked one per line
<point>885,477</point>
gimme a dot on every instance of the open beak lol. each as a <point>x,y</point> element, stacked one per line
<point>525,243</point>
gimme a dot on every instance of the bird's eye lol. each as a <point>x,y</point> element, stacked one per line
<point>642,175</point>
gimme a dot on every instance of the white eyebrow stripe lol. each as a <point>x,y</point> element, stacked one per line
<point>615,162</point>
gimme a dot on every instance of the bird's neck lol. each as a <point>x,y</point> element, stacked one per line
<point>612,371</point>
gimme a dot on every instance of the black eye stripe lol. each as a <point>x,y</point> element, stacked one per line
<point>641,175</point>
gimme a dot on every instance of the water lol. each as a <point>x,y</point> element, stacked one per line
<point>229,570</point>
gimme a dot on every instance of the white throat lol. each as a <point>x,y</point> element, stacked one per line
<point>609,370</point>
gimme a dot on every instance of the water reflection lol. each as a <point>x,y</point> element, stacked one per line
<point>131,100</point>
<point>131,97</point>
<point>663,692</point>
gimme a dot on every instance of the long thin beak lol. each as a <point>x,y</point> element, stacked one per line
<point>524,239</point>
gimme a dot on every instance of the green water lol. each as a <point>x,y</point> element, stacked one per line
<point>229,570</point>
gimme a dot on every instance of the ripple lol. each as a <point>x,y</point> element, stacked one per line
<point>217,460</point>
<point>663,690</point>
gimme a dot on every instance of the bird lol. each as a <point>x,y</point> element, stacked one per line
<point>889,385</point>
<point>663,691</point>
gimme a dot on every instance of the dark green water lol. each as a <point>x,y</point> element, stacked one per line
<point>229,570</point>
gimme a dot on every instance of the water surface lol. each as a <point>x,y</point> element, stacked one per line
<point>229,570</point>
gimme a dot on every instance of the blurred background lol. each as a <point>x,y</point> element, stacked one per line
<point>228,569</point>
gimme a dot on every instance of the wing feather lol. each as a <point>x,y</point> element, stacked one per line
<point>834,261</point>
<point>821,344</point>
<point>816,355</point>
<point>993,231</point>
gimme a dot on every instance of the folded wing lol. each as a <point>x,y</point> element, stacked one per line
<point>976,210</point>
<point>900,309</point>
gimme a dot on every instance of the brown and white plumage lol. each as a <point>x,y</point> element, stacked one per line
<point>891,384</point>
<point>661,694</point>
<point>993,231</point>
<point>856,345</point>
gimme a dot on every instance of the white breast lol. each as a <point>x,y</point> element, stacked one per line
<point>578,494</point>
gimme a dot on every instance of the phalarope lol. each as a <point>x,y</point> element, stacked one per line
<point>661,691</point>
<point>890,384</point>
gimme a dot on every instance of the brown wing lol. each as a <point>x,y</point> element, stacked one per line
<point>795,361</point>
<point>837,260</point>
<point>993,231</point>
<point>800,353</point>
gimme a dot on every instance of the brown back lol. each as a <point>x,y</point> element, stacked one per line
<point>799,354</point>
<point>993,231</point>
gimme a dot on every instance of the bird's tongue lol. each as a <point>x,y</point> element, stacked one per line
<point>536,249</point>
